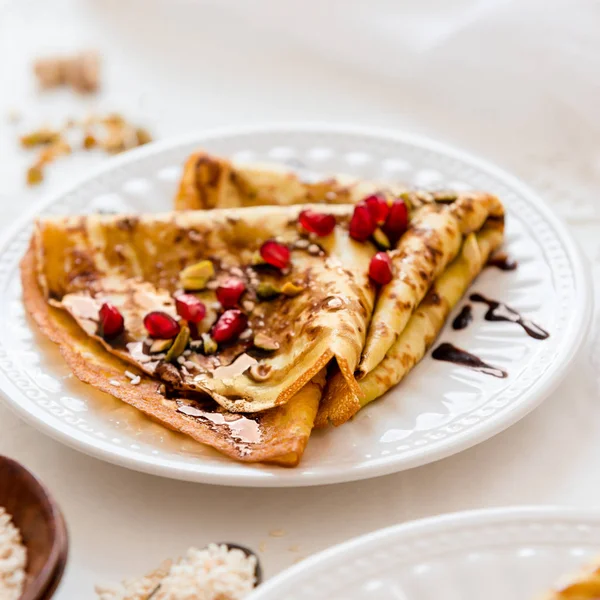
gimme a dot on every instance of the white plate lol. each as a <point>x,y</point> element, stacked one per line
<point>515,553</point>
<point>438,410</point>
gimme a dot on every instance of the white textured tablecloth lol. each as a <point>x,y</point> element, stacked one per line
<point>514,81</point>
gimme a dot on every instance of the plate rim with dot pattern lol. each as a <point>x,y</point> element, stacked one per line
<point>412,426</point>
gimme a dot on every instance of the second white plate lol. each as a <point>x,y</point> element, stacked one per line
<point>438,410</point>
<point>513,553</point>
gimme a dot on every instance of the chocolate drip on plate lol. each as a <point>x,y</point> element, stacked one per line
<point>464,317</point>
<point>450,353</point>
<point>498,311</point>
<point>502,261</point>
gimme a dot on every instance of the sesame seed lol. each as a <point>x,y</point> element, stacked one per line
<point>189,365</point>
<point>314,249</point>
<point>130,375</point>
<point>216,306</point>
<point>136,380</point>
<point>114,382</point>
<point>302,243</point>
<point>187,352</point>
<point>180,360</point>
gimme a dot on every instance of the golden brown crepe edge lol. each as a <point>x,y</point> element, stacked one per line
<point>339,403</point>
<point>59,327</point>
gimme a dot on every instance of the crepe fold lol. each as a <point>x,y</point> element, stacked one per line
<point>339,403</point>
<point>278,435</point>
<point>213,182</point>
<point>135,262</point>
<point>434,237</point>
<point>441,226</point>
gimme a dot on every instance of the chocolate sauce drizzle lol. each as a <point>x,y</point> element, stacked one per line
<point>502,261</point>
<point>450,353</point>
<point>498,311</point>
<point>464,317</point>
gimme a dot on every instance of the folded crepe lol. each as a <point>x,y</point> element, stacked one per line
<point>278,435</point>
<point>214,182</point>
<point>339,402</point>
<point>440,229</point>
<point>314,310</point>
<point>257,396</point>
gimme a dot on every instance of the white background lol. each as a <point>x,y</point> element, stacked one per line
<point>514,81</point>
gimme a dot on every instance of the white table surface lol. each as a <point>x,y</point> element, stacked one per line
<point>183,66</point>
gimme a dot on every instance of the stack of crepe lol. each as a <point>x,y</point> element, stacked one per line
<point>335,341</point>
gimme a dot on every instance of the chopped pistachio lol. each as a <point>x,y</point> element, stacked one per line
<point>210,346</point>
<point>179,345</point>
<point>89,141</point>
<point>35,175</point>
<point>195,277</point>
<point>40,137</point>
<point>291,289</point>
<point>52,151</point>
<point>160,346</point>
<point>266,290</point>
<point>381,239</point>
<point>264,342</point>
<point>260,372</point>
<point>143,136</point>
<point>444,196</point>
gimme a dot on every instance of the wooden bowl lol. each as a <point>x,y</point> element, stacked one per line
<point>42,527</point>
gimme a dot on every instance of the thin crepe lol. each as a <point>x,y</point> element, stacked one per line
<point>433,239</point>
<point>278,435</point>
<point>213,182</point>
<point>339,403</point>
<point>134,262</point>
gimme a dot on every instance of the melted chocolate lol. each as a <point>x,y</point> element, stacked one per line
<point>449,353</point>
<point>502,261</point>
<point>498,311</point>
<point>463,318</point>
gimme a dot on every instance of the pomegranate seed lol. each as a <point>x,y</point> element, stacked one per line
<point>378,207</point>
<point>317,222</point>
<point>160,325</point>
<point>229,326</point>
<point>275,254</point>
<point>190,308</point>
<point>111,321</point>
<point>362,224</point>
<point>380,268</point>
<point>397,221</point>
<point>229,292</point>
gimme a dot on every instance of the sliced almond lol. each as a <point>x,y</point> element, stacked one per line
<point>159,346</point>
